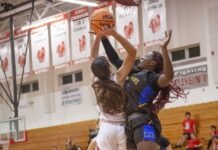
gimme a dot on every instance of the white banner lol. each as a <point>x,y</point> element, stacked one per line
<point>70,96</point>
<point>108,6</point>
<point>154,21</point>
<point>127,24</point>
<point>5,53</point>
<point>40,48</point>
<point>20,45</point>
<point>80,35</point>
<point>60,42</point>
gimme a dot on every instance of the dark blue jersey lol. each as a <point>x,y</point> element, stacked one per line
<point>141,88</point>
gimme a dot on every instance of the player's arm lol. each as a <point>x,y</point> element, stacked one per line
<point>129,60</point>
<point>168,74</point>
<point>95,47</point>
<point>111,53</point>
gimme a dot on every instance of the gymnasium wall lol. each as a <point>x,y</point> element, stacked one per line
<point>191,24</point>
<point>190,21</point>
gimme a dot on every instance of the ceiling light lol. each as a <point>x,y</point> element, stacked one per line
<point>91,4</point>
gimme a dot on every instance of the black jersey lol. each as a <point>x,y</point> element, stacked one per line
<point>141,88</point>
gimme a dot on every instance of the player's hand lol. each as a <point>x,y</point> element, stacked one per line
<point>167,39</point>
<point>106,31</point>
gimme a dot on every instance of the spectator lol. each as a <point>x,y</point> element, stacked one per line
<point>189,128</point>
<point>215,142</point>
<point>194,143</point>
<point>71,146</point>
<point>213,133</point>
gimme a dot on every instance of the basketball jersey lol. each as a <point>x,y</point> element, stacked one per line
<point>141,88</point>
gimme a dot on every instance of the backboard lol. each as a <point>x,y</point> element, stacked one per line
<point>13,130</point>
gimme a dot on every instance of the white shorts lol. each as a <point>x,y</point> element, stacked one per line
<point>111,137</point>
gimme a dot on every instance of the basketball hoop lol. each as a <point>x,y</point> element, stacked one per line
<point>4,144</point>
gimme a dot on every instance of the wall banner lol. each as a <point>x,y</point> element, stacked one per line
<point>70,96</point>
<point>80,36</point>
<point>40,49</point>
<point>20,45</point>
<point>193,77</point>
<point>5,53</point>
<point>154,21</point>
<point>60,42</point>
<point>127,24</point>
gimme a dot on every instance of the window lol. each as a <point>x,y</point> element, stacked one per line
<point>29,87</point>
<point>66,79</point>
<point>178,55</point>
<point>194,52</point>
<point>25,88</point>
<point>71,77</point>
<point>186,53</point>
<point>78,76</point>
<point>35,86</point>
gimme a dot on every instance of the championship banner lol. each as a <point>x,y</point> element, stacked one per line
<point>80,35</point>
<point>60,41</point>
<point>127,24</point>
<point>5,54</point>
<point>108,6</point>
<point>20,45</point>
<point>40,49</point>
<point>154,21</point>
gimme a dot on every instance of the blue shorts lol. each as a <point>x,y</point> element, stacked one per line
<point>149,133</point>
<point>144,133</point>
<point>141,129</point>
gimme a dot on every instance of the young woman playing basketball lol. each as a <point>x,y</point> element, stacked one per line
<point>148,91</point>
<point>110,94</point>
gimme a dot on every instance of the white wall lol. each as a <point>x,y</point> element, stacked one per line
<point>189,20</point>
<point>43,108</point>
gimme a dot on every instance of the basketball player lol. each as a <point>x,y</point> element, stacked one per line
<point>147,80</point>
<point>110,94</point>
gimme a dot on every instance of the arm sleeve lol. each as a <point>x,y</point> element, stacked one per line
<point>111,53</point>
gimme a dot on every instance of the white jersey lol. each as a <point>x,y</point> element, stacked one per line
<point>111,135</point>
<point>115,118</point>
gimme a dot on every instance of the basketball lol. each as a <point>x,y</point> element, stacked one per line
<point>101,18</point>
